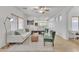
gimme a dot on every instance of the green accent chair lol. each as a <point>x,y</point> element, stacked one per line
<point>46,30</point>
<point>49,37</point>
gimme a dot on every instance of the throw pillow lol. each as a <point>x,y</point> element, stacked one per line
<point>17,33</point>
<point>27,30</point>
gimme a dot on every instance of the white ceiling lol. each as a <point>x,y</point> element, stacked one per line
<point>53,10</point>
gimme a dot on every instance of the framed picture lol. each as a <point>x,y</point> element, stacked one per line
<point>30,22</point>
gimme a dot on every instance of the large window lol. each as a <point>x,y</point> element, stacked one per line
<point>75,22</point>
<point>17,23</point>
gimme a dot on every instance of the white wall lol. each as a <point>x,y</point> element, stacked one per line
<point>4,12</point>
<point>61,26</point>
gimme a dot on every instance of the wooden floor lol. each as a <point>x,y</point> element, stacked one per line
<point>61,45</point>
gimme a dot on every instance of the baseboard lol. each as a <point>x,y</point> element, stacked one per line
<point>61,37</point>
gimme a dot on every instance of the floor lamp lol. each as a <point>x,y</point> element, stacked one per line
<point>10,19</point>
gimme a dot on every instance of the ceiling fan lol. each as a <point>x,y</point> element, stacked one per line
<point>41,9</point>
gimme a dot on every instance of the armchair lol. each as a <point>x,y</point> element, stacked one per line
<point>49,37</point>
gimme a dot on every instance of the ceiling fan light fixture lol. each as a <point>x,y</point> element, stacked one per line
<point>40,11</point>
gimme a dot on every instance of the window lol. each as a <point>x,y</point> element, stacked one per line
<point>42,23</point>
<point>20,23</point>
<point>14,25</point>
<point>75,24</point>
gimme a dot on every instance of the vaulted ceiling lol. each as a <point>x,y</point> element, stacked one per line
<point>53,10</point>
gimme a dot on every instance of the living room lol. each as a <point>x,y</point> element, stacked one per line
<point>26,28</point>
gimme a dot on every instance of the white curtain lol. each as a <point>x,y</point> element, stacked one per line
<point>20,23</point>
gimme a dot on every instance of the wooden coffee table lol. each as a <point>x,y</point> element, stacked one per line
<point>34,37</point>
